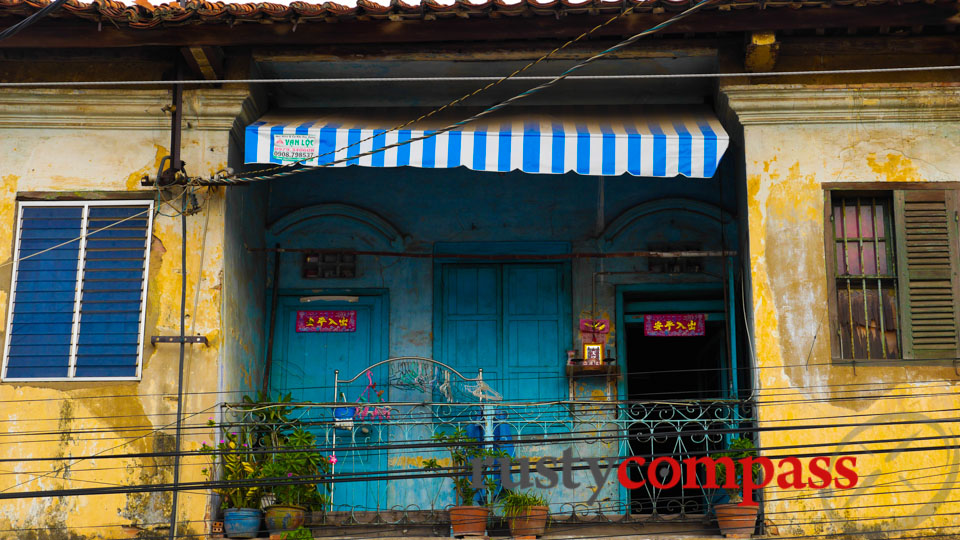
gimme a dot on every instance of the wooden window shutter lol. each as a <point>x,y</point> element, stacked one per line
<point>927,251</point>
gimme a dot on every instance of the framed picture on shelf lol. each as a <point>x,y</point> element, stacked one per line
<point>593,354</point>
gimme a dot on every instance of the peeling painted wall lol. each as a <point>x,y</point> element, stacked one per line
<point>875,135</point>
<point>92,144</point>
<point>244,302</point>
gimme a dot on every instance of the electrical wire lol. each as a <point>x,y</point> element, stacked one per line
<point>946,383</point>
<point>24,437</point>
<point>367,476</point>
<point>637,398</point>
<point>34,17</point>
<point>84,236</point>
<point>288,169</point>
<point>382,80</point>
<point>101,453</point>
<point>556,438</point>
<point>774,513</point>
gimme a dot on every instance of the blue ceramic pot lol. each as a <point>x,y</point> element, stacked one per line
<point>241,522</point>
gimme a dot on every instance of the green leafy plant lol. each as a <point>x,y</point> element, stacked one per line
<point>233,456</point>
<point>295,459</point>
<point>463,450</point>
<point>737,449</point>
<point>300,533</point>
<point>515,503</point>
<point>270,445</point>
<point>288,452</point>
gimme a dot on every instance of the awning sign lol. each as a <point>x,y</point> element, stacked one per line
<point>293,147</point>
<point>674,325</point>
<point>596,141</point>
<point>326,321</point>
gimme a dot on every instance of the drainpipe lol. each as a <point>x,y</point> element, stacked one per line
<point>273,323</point>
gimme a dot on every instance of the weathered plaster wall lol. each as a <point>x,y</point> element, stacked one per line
<point>244,306</point>
<point>431,206</point>
<point>796,139</point>
<point>92,144</point>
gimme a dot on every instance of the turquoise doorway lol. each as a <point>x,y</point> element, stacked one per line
<point>307,352</point>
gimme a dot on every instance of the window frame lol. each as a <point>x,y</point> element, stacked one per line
<point>85,204</point>
<point>886,189</point>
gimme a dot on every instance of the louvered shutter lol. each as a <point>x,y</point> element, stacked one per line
<point>78,291</point>
<point>114,266</point>
<point>44,292</point>
<point>926,222</point>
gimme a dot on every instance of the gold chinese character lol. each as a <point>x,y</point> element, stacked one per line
<point>343,322</point>
<point>680,326</point>
<point>658,325</point>
<point>692,325</point>
<point>669,325</point>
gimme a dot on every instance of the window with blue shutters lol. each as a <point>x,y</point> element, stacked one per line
<point>79,291</point>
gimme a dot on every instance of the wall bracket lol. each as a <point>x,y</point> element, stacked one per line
<point>177,339</point>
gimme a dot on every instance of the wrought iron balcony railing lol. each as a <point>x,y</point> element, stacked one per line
<point>380,451</point>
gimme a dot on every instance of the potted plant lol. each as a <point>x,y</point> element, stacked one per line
<point>466,517</point>
<point>735,520</point>
<point>237,464</point>
<point>300,533</point>
<point>293,468</point>
<point>289,456</point>
<point>527,513</point>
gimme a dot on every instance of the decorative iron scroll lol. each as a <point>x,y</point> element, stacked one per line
<point>679,429</point>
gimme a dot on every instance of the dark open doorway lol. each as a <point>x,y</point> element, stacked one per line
<point>674,385</point>
<point>675,368</point>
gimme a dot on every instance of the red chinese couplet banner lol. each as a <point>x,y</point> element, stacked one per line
<point>326,321</point>
<point>674,325</point>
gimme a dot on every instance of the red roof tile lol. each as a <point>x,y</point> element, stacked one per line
<point>142,14</point>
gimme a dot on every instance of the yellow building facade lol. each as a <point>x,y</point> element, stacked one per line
<point>896,417</point>
<point>74,145</point>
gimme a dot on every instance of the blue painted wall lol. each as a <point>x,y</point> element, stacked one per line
<point>244,282</point>
<point>414,210</point>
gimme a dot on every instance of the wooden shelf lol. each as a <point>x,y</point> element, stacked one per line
<point>577,369</point>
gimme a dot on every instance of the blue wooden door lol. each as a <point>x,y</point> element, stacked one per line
<point>511,320</point>
<point>304,364</point>
<point>534,320</point>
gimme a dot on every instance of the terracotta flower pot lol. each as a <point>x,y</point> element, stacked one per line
<point>736,521</point>
<point>469,520</point>
<point>532,521</point>
<point>281,517</point>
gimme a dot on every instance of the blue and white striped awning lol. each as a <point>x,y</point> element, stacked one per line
<point>607,141</point>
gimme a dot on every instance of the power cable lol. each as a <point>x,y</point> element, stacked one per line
<point>531,78</point>
<point>556,438</point>
<point>100,453</point>
<point>83,236</point>
<point>946,383</point>
<point>34,17</point>
<point>535,421</point>
<point>368,476</point>
<point>289,168</point>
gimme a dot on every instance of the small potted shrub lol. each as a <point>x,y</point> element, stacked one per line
<point>296,459</point>
<point>241,515</point>
<point>300,533</point>
<point>466,517</point>
<point>735,520</point>
<point>527,513</point>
